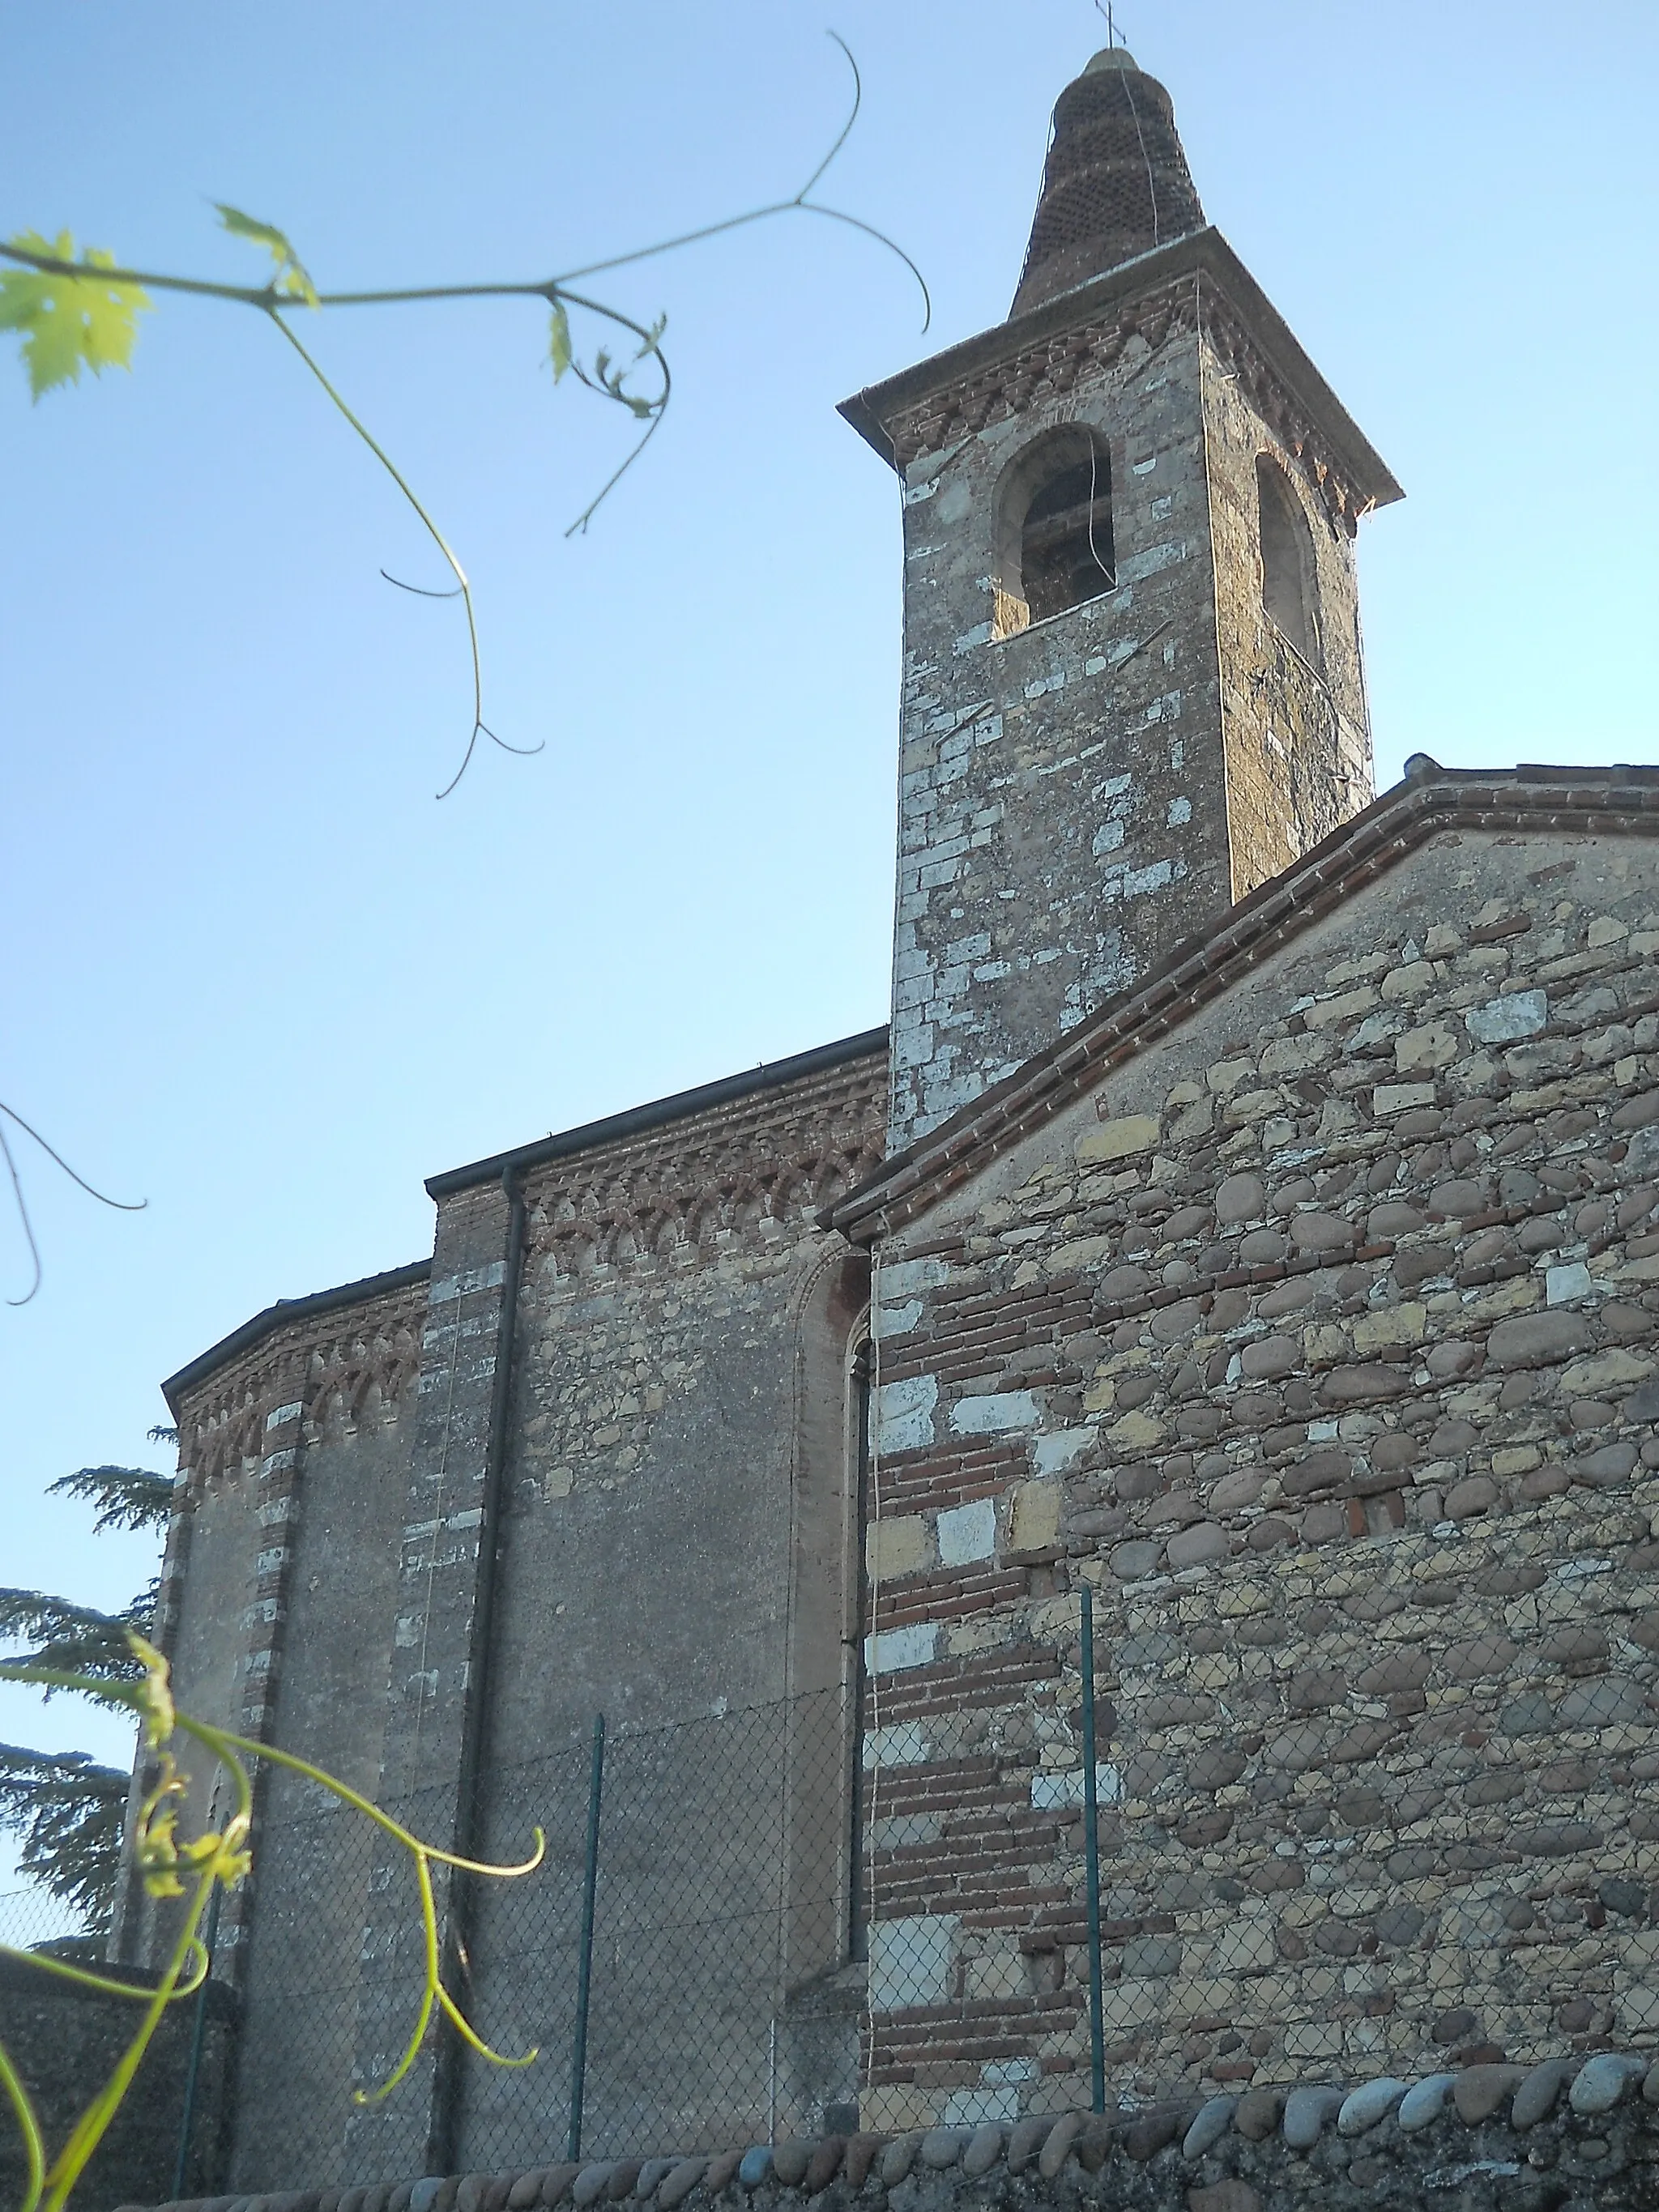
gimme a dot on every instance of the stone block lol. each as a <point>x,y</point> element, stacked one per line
<point>1119,1140</point>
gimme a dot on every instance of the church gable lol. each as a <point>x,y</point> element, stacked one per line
<point>1316,1336</point>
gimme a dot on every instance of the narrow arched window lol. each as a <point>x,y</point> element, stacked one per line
<point>1065,553</point>
<point>1055,528</point>
<point>1290,590</point>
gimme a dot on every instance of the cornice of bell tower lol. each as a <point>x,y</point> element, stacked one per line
<point>1041,353</point>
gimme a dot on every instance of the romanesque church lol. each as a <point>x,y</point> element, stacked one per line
<point>1249,1215</point>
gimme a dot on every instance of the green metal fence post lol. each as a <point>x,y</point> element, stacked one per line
<point>585,1968</point>
<point>1091,1861</point>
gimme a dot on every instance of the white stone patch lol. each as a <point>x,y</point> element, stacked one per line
<point>967,1533</point>
<point>901,1745</point>
<point>903,1277</point>
<point>1149,562</point>
<point>1054,1451</point>
<point>1052,1786</point>
<point>897,1321</point>
<point>1141,880</point>
<point>911,1961</point>
<point>283,1413</point>
<point>1401,1097</point>
<point>974,2108</point>
<point>1181,811</point>
<point>904,1412</point>
<point>1501,1021</point>
<point>993,1414</point>
<point>1562,1285</point>
<point>471,1278</point>
<point>914,494</point>
<point>1108,838</point>
<point>895,1649</point>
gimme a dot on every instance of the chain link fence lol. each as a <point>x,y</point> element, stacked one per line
<point>687,1980</point>
<point>1399,1820</point>
<point>30,1917</point>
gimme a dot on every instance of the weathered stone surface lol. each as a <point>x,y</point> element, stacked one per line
<point>1536,2097</point>
<point>790,2160</point>
<point>1424,2102</point>
<point>1600,2082</point>
<point>1372,2101</point>
<point>1306,2113</point>
<point>682,2177</point>
<point>1232,2195</point>
<point>1476,1493</point>
<point>1198,1546</point>
<point>984,2148</point>
<point>899,2157</point>
<point>1210,2123</point>
<point>859,2158</point>
<point>1240,1198</point>
<point>1058,2145</point>
<point>1025,2140</point>
<point>1479,2090</point>
<point>1537,1339</point>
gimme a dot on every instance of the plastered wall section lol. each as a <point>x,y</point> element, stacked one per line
<point>1296,735</point>
<point>1322,1344</point>
<point>295,1454</point>
<point>305,1936</point>
<point>678,1526</point>
<point>679,1544</point>
<point>1062,802</point>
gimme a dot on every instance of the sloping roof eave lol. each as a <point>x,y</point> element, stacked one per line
<point>1619,800</point>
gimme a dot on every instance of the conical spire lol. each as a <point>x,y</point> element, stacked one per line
<point>1117,181</point>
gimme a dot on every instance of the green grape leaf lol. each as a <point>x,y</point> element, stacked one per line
<point>67,323</point>
<point>291,277</point>
<point>559,349</point>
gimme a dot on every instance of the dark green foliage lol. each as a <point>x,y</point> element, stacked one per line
<point>66,1809</point>
<point>68,1812</point>
<point>75,1639</point>
<point>126,1497</point>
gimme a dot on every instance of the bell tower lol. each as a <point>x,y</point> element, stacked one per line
<point>1132,687</point>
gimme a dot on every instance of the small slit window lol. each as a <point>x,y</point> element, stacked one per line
<point>1056,548</point>
<point>1289,589</point>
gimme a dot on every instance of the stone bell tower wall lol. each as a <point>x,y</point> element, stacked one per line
<point>1081,791</point>
<point>1296,732</point>
<point>1062,804</point>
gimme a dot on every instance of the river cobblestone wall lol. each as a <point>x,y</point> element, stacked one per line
<point>1320,1340</point>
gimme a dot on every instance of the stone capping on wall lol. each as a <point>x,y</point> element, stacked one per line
<point>284,1315</point>
<point>771,1075</point>
<point>1553,2132</point>
<point>1585,801</point>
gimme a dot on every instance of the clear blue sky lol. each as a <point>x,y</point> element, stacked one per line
<point>255,973</point>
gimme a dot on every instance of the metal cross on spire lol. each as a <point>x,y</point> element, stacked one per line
<point>1104,8</point>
